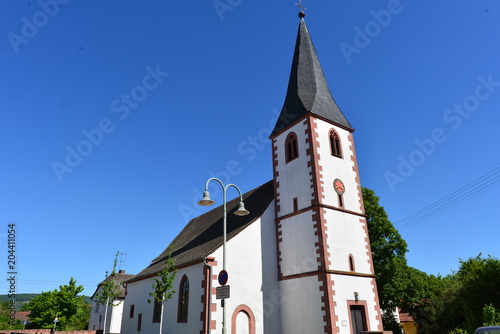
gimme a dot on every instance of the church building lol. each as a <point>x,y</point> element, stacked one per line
<point>300,261</point>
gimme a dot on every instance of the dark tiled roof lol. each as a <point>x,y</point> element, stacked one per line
<point>119,278</point>
<point>204,234</point>
<point>307,87</point>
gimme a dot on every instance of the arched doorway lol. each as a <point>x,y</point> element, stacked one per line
<point>243,320</point>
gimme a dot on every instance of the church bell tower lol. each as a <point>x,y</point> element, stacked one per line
<point>325,268</point>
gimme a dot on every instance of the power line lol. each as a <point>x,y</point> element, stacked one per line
<point>472,189</point>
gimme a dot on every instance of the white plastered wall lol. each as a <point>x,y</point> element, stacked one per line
<point>138,295</point>
<point>294,179</point>
<point>299,314</point>
<point>298,245</point>
<point>349,285</point>
<point>115,321</point>
<point>334,167</point>
<point>253,278</point>
<point>346,236</point>
<point>113,317</point>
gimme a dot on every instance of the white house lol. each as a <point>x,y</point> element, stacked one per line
<point>114,314</point>
<point>300,262</point>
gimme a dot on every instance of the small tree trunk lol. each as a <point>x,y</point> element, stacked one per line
<point>161,316</point>
<point>105,315</point>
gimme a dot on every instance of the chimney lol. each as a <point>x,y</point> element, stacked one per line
<point>121,271</point>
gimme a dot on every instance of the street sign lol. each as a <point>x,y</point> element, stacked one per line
<point>222,292</point>
<point>223,277</point>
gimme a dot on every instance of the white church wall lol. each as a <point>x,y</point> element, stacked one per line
<point>293,186</point>
<point>298,250</point>
<point>346,236</point>
<point>253,277</point>
<point>195,307</point>
<point>138,295</point>
<point>366,296</point>
<point>300,316</point>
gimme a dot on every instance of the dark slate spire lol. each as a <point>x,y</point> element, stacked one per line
<point>307,87</point>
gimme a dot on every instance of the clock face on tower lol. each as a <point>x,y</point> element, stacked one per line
<point>339,187</point>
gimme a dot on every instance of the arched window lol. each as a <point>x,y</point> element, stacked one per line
<point>291,147</point>
<point>335,147</point>
<point>351,263</point>
<point>182,309</point>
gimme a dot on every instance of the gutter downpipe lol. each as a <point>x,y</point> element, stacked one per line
<point>208,298</point>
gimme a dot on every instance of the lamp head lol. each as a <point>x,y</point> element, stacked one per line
<point>206,200</point>
<point>241,210</point>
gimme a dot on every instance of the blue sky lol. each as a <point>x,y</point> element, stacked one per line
<point>114,114</point>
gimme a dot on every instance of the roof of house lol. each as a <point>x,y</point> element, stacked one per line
<point>308,91</point>
<point>23,315</point>
<point>204,234</point>
<point>405,316</point>
<point>118,277</point>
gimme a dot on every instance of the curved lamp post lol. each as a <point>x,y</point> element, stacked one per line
<point>241,211</point>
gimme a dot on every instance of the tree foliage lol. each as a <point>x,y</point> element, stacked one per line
<point>469,298</point>
<point>163,288</point>
<point>388,249</point>
<point>491,315</point>
<point>110,289</point>
<point>457,303</point>
<point>398,284</point>
<point>65,304</point>
<point>5,320</point>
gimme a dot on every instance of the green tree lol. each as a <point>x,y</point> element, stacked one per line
<point>456,303</point>
<point>398,284</point>
<point>389,259</point>
<point>69,302</point>
<point>491,316</point>
<point>474,296</point>
<point>110,290</point>
<point>64,303</point>
<point>163,288</point>
<point>5,321</point>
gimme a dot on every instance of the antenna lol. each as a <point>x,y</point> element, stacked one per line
<point>121,260</point>
<point>299,4</point>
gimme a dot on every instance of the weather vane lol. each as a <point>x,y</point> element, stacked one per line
<point>301,7</point>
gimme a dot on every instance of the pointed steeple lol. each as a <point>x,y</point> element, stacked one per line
<point>308,91</point>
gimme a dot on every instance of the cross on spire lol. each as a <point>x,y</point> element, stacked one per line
<point>299,4</point>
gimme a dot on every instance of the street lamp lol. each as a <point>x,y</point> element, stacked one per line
<point>241,211</point>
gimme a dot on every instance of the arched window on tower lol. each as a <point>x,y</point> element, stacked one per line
<point>291,147</point>
<point>335,147</point>
<point>182,309</point>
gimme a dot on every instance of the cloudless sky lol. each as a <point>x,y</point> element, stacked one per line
<point>113,114</point>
